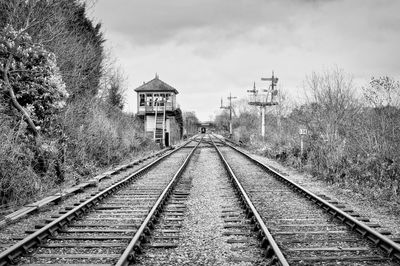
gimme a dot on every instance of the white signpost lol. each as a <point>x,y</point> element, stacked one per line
<point>302,132</point>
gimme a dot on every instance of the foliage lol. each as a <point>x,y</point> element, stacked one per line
<point>353,142</point>
<point>176,131</point>
<point>190,123</point>
<point>115,97</point>
<point>222,121</point>
<point>98,137</point>
<point>33,75</point>
<point>18,180</point>
<point>113,85</point>
<point>383,91</point>
<point>63,28</point>
<point>179,122</point>
<point>50,50</point>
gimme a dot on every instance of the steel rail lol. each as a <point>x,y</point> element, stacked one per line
<point>390,247</point>
<point>9,255</point>
<point>134,245</point>
<point>268,242</point>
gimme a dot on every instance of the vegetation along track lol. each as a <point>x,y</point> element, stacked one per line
<point>97,230</point>
<point>308,229</point>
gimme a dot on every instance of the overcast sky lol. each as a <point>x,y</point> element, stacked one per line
<point>209,48</point>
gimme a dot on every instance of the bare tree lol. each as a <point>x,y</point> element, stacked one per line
<point>380,125</point>
<point>190,122</point>
<point>332,101</point>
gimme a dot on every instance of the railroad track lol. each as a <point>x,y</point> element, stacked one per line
<point>309,229</point>
<point>108,227</point>
<point>211,226</point>
<point>206,203</point>
<point>13,219</point>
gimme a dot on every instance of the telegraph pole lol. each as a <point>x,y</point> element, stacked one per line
<point>230,112</point>
<point>265,99</point>
<point>274,81</point>
<point>273,92</point>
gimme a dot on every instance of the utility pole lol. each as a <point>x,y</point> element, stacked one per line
<point>274,81</point>
<point>274,92</point>
<point>230,112</point>
<point>265,99</point>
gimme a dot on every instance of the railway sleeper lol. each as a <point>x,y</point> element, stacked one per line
<point>337,259</point>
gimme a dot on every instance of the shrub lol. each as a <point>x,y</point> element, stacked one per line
<point>18,180</point>
<point>101,135</point>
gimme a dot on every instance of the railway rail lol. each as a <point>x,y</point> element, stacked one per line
<point>94,230</point>
<point>309,229</point>
<point>9,215</point>
<point>240,231</point>
<point>253,216</point>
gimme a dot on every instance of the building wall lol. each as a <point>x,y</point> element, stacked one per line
<point>168,124</point>
<point>150,123</point>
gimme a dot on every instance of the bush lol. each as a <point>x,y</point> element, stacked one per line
<point>99,134</point>
<point>96,135</point>
<point>18,180</point>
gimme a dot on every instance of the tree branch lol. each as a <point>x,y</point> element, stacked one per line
<point>14,99</point>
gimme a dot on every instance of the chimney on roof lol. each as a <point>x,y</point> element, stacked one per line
<point>156,75</point>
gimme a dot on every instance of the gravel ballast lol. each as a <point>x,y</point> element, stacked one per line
<point>203,236</point>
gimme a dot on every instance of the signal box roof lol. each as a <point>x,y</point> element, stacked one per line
<point>156,85</point>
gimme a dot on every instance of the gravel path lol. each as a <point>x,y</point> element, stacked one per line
<point>203,234</point>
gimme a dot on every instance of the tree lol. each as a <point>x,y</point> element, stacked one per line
<point>246,120</point>
<point>113,88</point>
<point>379,126</point>
<point>61,27</point>
<point>382,91</point>
<point>190,122</point>
<point>31,77</point>
<point>222,121</point>
<point>332,102</point>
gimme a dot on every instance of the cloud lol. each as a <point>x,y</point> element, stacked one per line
<point>153,21</point>
<point>208,48</point>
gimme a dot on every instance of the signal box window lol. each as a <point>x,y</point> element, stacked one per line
<point>149,99</point>
<point>156,100</point>
<point>161,99</point>
<point>141,99</point>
